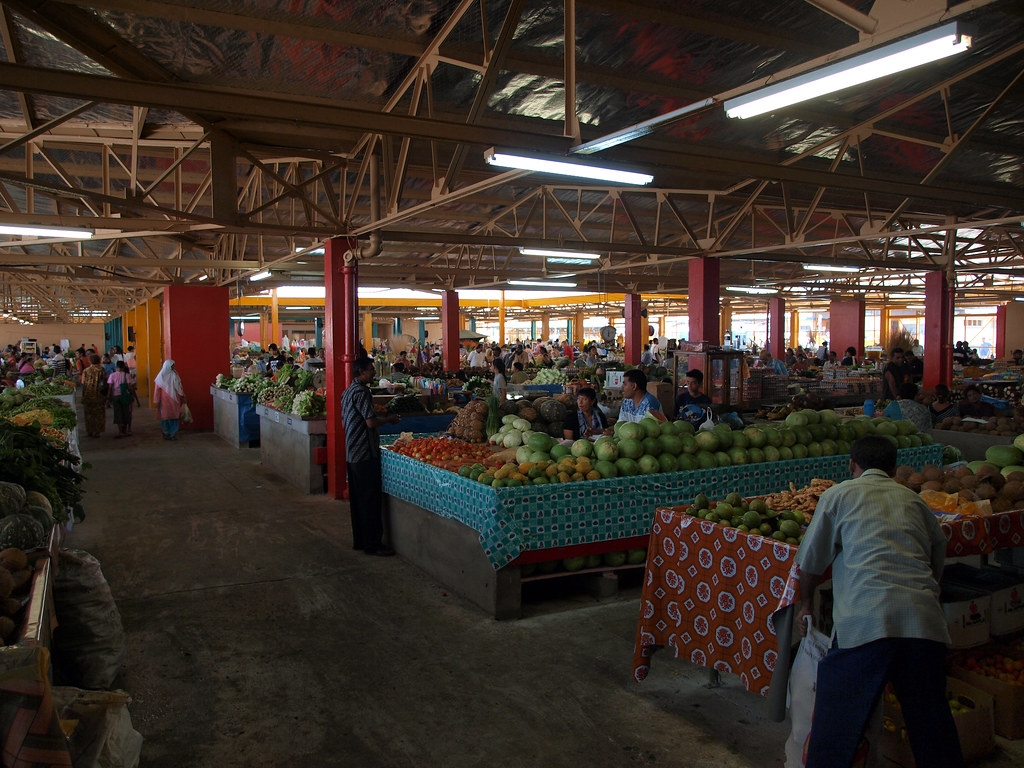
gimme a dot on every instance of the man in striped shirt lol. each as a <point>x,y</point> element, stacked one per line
<point>362,451</point>
<point>886,551</point>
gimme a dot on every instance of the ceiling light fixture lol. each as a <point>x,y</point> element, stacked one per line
<point>427,318</point>
<point>640,129</point>
<point>829,268</point>
<point>904,295</point>
<point>553,254</point>
<point>259,276</point>
<point>563,167</point>
<point>28,231</point>
<point>751,290</point>
<point>203,277</point>
<point>914,51</point>
<point>541,284</point>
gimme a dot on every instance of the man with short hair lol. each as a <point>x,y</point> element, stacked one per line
<point>637,402</point>
<point>896,372</point>
<point>775,366</point>
<point>362,453</point>
<point>886,551</point>
<point>691,402</point>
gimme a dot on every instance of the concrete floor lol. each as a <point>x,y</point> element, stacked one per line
<point>258,637</point>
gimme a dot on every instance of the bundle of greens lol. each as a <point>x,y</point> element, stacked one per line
<point>477,385</point>
<point>308,404</point>
<point>63,416</point>
<point>32,461</point>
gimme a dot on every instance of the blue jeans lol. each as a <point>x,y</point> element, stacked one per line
<point>850,682</point>
<point>169,427</point>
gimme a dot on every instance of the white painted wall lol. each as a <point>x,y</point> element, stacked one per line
<point>48,334</point>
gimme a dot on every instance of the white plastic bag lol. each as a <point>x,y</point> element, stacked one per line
<point>803,685</point>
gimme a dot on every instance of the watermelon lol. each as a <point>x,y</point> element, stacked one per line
<point>21,531</point>
<point>35,498</point>
<point>40,514</point>
<point>12,498</point>
<point>1003,455</point>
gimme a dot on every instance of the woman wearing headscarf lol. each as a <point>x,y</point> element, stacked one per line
<point>94,397</point>
<point>168,397</point>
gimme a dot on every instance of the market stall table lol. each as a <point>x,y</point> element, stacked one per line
<point>290,447</point>
<point>473,537</point>
<point>234,417</point>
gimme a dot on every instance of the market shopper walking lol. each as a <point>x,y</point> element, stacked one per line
<point>120,394</point>
<point>94,397</point>
<point>362,452</point>
<point>886,551</point>
<point>168,397</point>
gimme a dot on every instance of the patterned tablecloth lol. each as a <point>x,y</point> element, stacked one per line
<point>983,535</point>
<point>709,595</point>
<point>511,521</point>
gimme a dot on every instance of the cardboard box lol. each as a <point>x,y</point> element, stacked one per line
<point>666,396</point>
<point>974,724</point>
<point>967,615</point>
<point>1006,591</point>
<point>1008,701</point>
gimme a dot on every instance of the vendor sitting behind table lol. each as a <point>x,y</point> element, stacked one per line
<point>691,395</point>
<point>586,420</point>
<point>637,402</point>
<point>776,366</point>
<point>906,407</point>
<point>972,404</point>
<point>519,376</point>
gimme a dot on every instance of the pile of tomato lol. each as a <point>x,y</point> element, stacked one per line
<point>1001,663</point>
<point>442,451</point>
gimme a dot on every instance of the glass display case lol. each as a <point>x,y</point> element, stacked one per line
<point>724,371</point>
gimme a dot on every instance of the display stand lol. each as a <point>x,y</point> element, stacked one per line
<point>235,418</point>
<point>289,448</point>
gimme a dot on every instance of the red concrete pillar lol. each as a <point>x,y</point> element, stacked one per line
<point>636,328</point>
<point>1001,352</point>
<point>197,337</point>
<point>938,330</point>
<point>341,308</point>
<point>450,330</point>
<point>702,307</point>
<point>846,326</point>
<point>777,327</point>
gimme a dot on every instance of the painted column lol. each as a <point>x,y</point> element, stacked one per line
<point>533,329</point>
<point>501,318</point>
<point>367,335</point>
<point>341,293</point>
<point>421,333</point>
<point>846,326</point>
<point>702,307</point>
<point>472,324</point>
<point>578,331</point>
<point>318,332</point>
<point>938,330</point>
<point>275,320</point>
<point>1001,352</point>
<point>883,329</point>
<point>726,320</point>
<point>776,327</point>
<point>794,329</point>
<point>154,346</point>
<point>545,327</point>
<point>195,322</point>
<point>635,328</point>
<point>396,327</point>
<point>450,329</point>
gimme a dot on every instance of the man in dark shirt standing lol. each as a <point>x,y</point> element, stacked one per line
<point>362,450</point>
<point>896,372</point>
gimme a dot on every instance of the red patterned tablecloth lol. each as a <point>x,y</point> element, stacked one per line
<point>983,535</point>
<point>709,595</point>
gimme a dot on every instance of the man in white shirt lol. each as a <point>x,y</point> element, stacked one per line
<point>637,402</point>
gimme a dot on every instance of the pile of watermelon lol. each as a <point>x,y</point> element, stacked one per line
<point>26,517</point>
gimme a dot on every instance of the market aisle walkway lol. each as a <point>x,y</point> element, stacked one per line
<point>258,637</point>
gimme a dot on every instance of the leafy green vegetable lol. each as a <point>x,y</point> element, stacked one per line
<point>37,464</point>
<point>309,404</point>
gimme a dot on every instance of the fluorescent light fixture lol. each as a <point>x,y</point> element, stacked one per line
<point>904,295</point>
<point>914,51</point>
<point>565,168</point>
<point>259,276</point>
<point>203,277</point>
<point>640,129</point>
<point>915,306</point>
<point>291,307</point>
<point>427,318</point>
<point>553,254</point>
<point>318,251</point>
<point>245,317</point>
<point>751,290</point>
<point>829,268</point>
<point>17,229</point>
<point>541,284</point>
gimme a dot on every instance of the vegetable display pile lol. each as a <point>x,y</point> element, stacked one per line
<point>32,461</point>
<point>442,451</point>
<point>15,580</point>
<point>309,404</point>
<point>274,393</point>
<point>405,404</point>
<point>470,422</point>
<point>550,376</point>
<point>51,388</point>
<point>477,385</point>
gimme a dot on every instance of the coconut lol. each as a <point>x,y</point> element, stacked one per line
<point>985,491</point>
<point>903,472</point>
<point>1001,504</point>
<point>931,472</point>
<point>963,471</point>
<point>932,485</point>
<point>970,481</point>
<point>1018,504</point>
<point>1016,475</point>
<point>916,480</point>
<point>967,495</point>
<point>952,485</point>
<point>1012,489</point>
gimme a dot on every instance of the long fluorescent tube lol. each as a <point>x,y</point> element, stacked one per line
<point>203,277</point>
<point>427,318</point>
<point>920,49</point>
<point>756,291</point>
<point>558,254</point>
<point>259,276</point>
<point>541,284</point>
<point>829,268</point>
<point>904,295</point>
<point>565,168</point>
<point>639,129</point>
<point>17,229</point>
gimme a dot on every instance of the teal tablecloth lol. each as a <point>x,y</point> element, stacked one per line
<point>515,520</point>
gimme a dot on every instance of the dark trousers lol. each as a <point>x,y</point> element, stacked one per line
<point>365,498</point>
<point>850,682</point>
